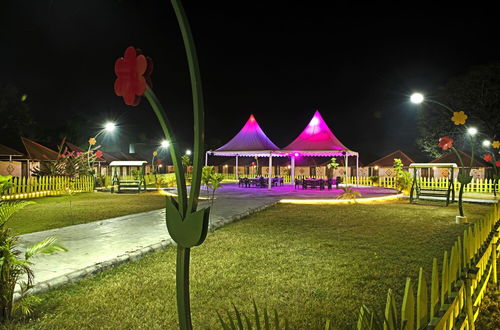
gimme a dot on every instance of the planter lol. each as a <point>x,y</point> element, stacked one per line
<point>459,219</point>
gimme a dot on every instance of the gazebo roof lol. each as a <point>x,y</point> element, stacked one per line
<point>317,138</point>
<point>250,138</point>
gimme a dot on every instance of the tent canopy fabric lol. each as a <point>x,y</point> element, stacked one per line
<point>36,151</point>
<point>250,138</point>
<point>315,137</point>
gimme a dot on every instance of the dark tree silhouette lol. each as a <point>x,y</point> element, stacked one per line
<point>477,93</point>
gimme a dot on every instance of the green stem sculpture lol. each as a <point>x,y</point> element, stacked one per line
<point>187,226</point>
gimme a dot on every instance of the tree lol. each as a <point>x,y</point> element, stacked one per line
<point>17,119</point>
<point>477,93</point>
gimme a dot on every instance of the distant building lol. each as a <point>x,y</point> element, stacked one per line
<point>385,166</point>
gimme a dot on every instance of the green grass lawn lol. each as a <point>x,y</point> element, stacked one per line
<point>309,262</point>
<point>60,211</point>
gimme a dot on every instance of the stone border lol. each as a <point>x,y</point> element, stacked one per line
<point>80,274</point>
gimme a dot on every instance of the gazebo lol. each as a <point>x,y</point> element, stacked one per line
<point>318,140</point>
<point>251,141</point>
<point>315,140</point>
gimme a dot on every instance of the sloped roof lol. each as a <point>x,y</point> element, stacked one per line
<point>250,138</point>
<point>316,136</point>
<point>388,160</point>
<point>6,151</point>
<point>36,151</point>
<point>451,157</point>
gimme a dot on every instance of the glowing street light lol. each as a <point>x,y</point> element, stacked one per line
<point>417,98</point>
<point>165,144</point>
<point>472,131</point>
<point>486,143</point>
<point>109,127</point>
<point>188,152</point>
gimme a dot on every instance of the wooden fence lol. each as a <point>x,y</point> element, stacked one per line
<point>452,300</point>
<point>33,187</point>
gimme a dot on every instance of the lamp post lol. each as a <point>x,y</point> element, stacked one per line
<point>109,127</point>
<point>458,118</point>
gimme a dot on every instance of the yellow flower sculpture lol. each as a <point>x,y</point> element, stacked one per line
<point>92,141</point>
<point>155,153</point>
<point>496,144</point>
<point>459,118</point>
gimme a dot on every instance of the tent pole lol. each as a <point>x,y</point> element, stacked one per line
<point>292,177</point>
<point>206,158</point>
<point>345,166</point>
<point>269,171</point>
<point>357,170</point>
<point>236,170</point>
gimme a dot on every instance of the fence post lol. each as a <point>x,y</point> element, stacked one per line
<point>468,301</point>
<point>494,261</point>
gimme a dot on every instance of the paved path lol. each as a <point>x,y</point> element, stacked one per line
<point>98,245</point>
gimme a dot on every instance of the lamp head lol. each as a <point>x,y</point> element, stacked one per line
<point>188,152</point>
<point>472,131</point>
<point>165,144</point>
<point>486,143</point>
<point>417,98</point>
<point>110,127</point>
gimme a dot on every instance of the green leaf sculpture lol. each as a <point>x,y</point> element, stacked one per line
<point>190,231</point>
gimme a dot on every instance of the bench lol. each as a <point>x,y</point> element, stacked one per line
<point>433,192</point>
<point>127,183</point>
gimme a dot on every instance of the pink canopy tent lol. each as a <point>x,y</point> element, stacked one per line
<point>318,140</point>
<point>250,141</point>
<point>315,140</point>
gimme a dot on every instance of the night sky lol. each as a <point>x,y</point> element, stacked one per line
<point>280,61</point>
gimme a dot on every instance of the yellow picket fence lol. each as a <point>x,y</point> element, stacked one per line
<point>476,186</point>
<point>452,300</point>
<point>33,187</point>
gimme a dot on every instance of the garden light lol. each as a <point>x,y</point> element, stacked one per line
<point>472,131</point>
<point>188,152</point>
<point>486,143</point>
<point>296,154</point>
<point>165,144</point>
<point>110,127</point>
<point>417,98</point>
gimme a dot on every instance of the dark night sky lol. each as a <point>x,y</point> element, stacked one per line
<point>280,61</point>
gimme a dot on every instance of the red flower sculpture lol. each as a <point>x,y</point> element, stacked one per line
<point>133,71</point>
<point>98,154</point>
<point>488,158</point>
<point>445,143</point>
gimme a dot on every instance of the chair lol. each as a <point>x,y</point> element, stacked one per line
<point>329,183</point>
<point>338,180</point>
<point>322,184</point>
<point>241,181</point>
<point>298,182</point>
<point>262,182</point>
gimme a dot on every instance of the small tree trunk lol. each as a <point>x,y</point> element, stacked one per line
<point>460,194</point>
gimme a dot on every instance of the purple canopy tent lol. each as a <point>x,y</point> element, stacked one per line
<point>318,140</point>
<point>315,140</point>
<point>251,141</point>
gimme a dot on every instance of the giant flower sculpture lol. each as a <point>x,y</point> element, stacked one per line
<point>186,224</point>
<point>459,118</point>
<point>132,71</point>
<point>445,143</point>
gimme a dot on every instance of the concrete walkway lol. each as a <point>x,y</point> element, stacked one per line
<point>95,246</point>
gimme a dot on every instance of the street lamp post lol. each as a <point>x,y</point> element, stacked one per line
<point>458,118</point>
<point>109,127</point>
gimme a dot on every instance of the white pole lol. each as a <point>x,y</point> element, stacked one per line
<point>345,166</point>
<point>236,171</point>
<point>270,171</point>
<point>206,158</point>
<point>292,175</point>
<point>357,170</point>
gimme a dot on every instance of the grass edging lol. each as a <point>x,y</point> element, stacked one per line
<point>80,274</point>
